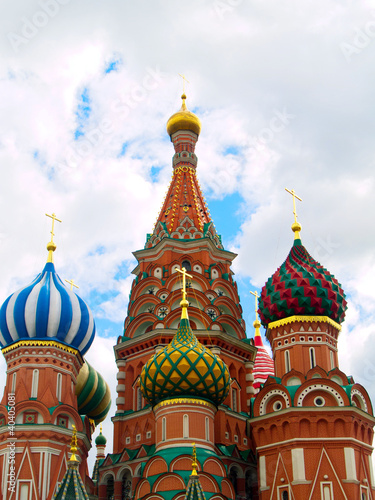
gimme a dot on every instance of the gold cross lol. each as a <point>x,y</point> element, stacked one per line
<point>72,284</point>
<point>292,192</point>
<point>256,303</point>
<point>53,217</point>
<point>185,80</point>
<point>184,274</point>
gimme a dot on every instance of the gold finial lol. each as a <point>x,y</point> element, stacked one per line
<point>194,463</point>
<point>72,284</point>
<point>184,303</point>
<point>51,246</point>
<point>296,226</point>
<point>73,446</point>
<point>101,429</point>
<point>256,323</point>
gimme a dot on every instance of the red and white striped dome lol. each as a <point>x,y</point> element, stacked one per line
<point>263,366</point>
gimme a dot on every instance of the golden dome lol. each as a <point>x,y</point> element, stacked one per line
<point>183,120</point>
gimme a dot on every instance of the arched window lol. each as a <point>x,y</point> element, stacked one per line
<point>312,357</point>
<point>287,361</point>
<point>163,429</point>
<point>285,495</point>
<point>186,264</point>
<point>185,426</point>
<point>110,488</point>
<point>233,475</point>
<point>58,386</point>
<point>34,384</point>
<point>126,488</point>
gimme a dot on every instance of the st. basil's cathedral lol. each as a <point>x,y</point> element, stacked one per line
<point>202,411</point>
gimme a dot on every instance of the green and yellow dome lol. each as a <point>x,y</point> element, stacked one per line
<point>93,394</point>
<point>185,368</point>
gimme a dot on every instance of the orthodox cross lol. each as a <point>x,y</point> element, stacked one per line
<point>53,217</point>
<point>256,303</point>
<point>292,192</point>
<point>72,284</point>
<point>184,80</point>
<point>184,274</point>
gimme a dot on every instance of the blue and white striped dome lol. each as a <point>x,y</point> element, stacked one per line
<point>47,310</point>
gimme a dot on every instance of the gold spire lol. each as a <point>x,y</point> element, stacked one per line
<point>184,303</point>
<point>72,284</point>
<point>296,226</point>
<point>256,323</point>
<point>51,246</point>
<point>194,463</point>
<point>73,447</point>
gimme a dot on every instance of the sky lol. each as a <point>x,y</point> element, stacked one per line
<point>285,94</point>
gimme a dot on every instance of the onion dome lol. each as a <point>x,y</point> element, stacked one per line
<point>47,310</point>
<point>100,440</point>
<point>185,368</point>
<point>263,366</point>
<point>93,394</point>
<point>183,120</point>
<point>301,286</point>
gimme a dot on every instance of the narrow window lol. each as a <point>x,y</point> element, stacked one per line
<point>285,495</point>
<point>58,386</point>
<point>186,264</point>
<point>186,426</point>
<point>24,491</point>
<point>163,429</point>
<point>287,362</point>
<point>14,378</point>
<point>139,399</point>
<point>234,399</point>
<point>207,422</point>
<point>332,360</point>
<point>34,384</point>
<point>312,357</point>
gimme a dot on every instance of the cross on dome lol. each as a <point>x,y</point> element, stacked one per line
<point>296,226</point>
<point>72,284</point>
<point>51,246</point>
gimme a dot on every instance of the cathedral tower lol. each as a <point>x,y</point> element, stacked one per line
<point>312,425</point>
<point>184,236</point>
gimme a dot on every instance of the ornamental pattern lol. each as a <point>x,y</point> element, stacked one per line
<point>185,368</point>
<point>301,286</point>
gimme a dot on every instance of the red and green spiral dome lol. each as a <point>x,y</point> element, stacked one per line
<point>301,287</point>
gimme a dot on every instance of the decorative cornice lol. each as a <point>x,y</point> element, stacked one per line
<point>173,401</point>
<point>45,343</point>
<point>301,319</point>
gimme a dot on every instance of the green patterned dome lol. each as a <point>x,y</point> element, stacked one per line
<point>185,368</point>
<point>93,394</point>
<point>301,286</point>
